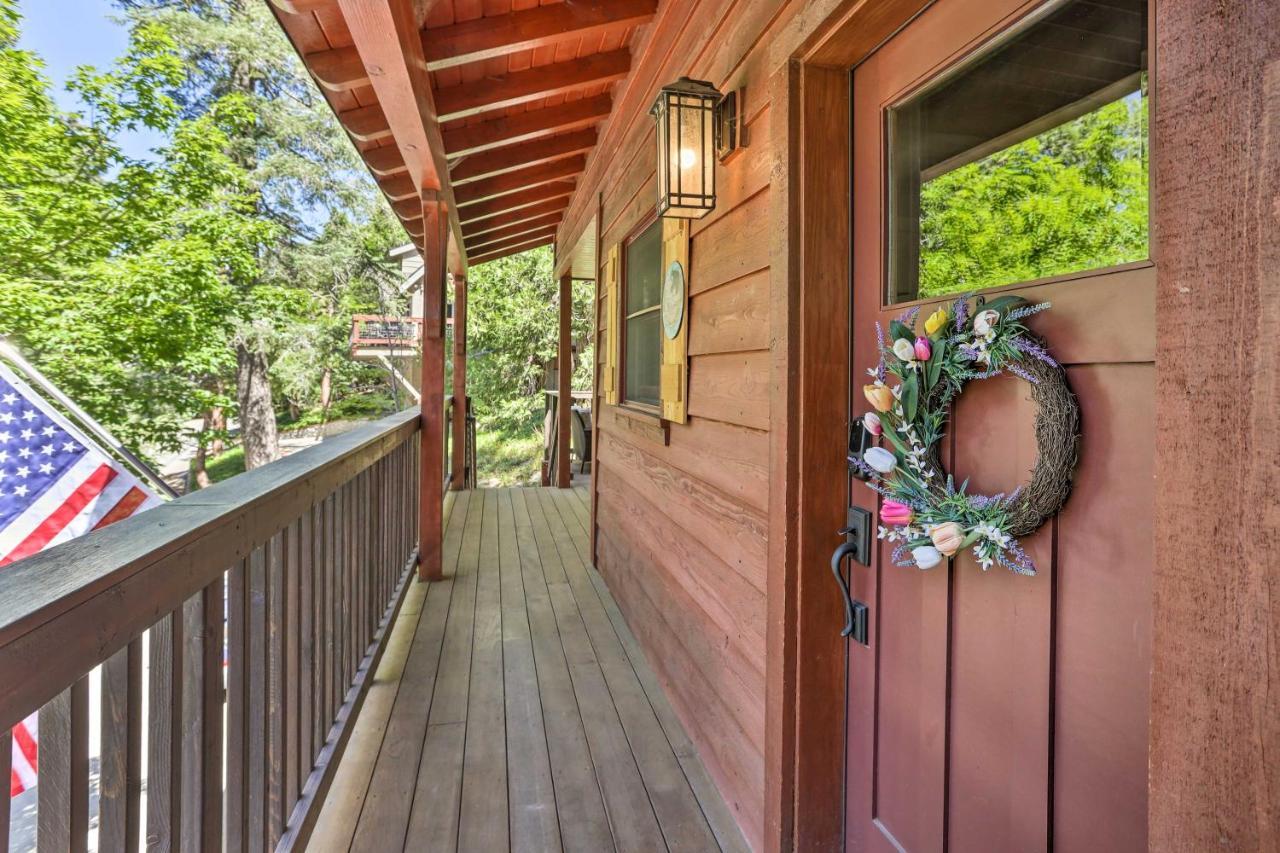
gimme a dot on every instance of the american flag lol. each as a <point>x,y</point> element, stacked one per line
<point>55,484</point>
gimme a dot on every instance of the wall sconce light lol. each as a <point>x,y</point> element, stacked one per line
<point>696,125</point>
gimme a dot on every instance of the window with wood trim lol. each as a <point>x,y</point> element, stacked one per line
<point>641,322</point>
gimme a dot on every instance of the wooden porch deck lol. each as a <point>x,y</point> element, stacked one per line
<point>514,710</point>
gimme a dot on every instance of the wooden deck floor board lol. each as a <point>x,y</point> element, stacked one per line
<point>514,710</point>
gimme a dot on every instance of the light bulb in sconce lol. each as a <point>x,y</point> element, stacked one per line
<point>687,158</point>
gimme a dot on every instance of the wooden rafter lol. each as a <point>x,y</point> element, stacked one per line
<point>398,187</point>
<point>341,69</point>
<point>518,87</point>
<point>487,38</point>
<point>498,245</point>
<point>513,217</point>
<point>513,250</point>
<point>526,126</point>
<point>511,157</point>
<point>502,235</point>
<point>366,124</point>
<point>521,178</point>
<point>512,201</point>
<point>385,161</point>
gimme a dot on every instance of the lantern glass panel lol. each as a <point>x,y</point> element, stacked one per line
<point>686,151</point>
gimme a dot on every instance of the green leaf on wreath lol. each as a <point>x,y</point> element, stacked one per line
<point>898,330</point>
<point>910,397</point>
<point>934,367</point>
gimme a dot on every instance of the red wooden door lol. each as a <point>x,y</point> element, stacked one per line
<point>990,711</point>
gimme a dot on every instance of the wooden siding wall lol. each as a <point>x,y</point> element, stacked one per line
<point>682,521</point>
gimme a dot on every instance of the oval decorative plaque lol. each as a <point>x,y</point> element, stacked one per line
<point>673,301</point>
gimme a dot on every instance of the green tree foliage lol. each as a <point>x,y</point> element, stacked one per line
<point>513,332</point>
<point>1072,198</point>
<point>139,284</point>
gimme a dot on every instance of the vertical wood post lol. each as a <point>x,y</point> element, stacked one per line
<point>458,480</point>
<point>564,404</point>
<point>434,245</point>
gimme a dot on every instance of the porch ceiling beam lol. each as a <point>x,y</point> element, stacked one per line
<point>523,127</point>
<point>385,34</point>
<point>528,237</point>
<point>487,38</point>
<point>514,250</point>
<point>366,124</point>
<point>511,181</point>
<point>341,69</point>
<point>407,209</point>
<point>518,87</point>
<point>297,7</point>
<point>398,187</point>
<point>514,217</point>
<point>500,160</point>
<point>512,201</point>
<point>385,161</point>
<point>504,234</point>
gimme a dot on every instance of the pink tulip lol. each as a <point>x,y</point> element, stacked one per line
<point>893,512</point>
<point>923,350</point>
<point>872,422</point>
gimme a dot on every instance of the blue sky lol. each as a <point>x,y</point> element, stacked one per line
<point>67,33</point>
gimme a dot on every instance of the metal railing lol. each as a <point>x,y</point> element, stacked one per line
<point>264,600</point>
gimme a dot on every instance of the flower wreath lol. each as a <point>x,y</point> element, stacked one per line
<point>924,512</point>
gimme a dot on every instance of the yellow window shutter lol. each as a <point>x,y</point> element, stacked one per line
<point>609,377</point>
<point>675,350</point>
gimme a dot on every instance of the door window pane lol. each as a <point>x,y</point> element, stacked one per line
<point>1028,162</point>
<point>642,285</point>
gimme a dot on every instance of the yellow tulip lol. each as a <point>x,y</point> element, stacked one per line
<point>879,396</point>
<point>936,321</point>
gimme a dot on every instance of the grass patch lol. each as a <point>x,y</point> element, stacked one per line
<point>225,465</point>
<point>508,457</point>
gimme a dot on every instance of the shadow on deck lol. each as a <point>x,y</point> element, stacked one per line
<point>513,709</point>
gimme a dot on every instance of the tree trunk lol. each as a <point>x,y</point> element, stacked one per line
<point>217,421</point>
<point>199,476</point>
<point>257,413</point>
<point>326,389</point>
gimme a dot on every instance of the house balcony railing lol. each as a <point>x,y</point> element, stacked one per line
<point>263,601</point>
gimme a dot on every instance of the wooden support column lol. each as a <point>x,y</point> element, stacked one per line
<point>564,404</point>
<point>434,248</point>
<point>458,479</point>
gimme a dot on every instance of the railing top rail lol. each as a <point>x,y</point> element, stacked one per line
<point>65,609</point>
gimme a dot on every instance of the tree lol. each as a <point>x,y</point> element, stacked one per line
<point>513,331</point>
<point>1071,198</point>
<point>295,159</point>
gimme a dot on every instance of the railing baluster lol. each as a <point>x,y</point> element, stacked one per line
<point>291,629</point>
<point>275,690</point>
<point>120,762</point>
<point>237,708</point>
<point>212,695</point>
<point>6,767</point>
<point>255,771</point>
<point>306,645</point>
<point>189,722</point>
<point>62,807</point>
<point>164,713</point>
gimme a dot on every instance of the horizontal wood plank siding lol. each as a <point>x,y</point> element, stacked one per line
<point>682,509</point>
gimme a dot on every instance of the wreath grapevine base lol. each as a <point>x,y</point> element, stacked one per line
<point>924,513</point>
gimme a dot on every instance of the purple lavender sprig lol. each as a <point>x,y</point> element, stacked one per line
<point>1016,560</point>
<point>1028,310</point>
<point>961,312</point>
<point>908,317</point>
<point>899,556</point>
<point>863,468</point>
<point>881,372</point>
<point>1018,370</point>
<point>1032,348</point>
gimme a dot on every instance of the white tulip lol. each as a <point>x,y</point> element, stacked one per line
<point>903,349</point>
<point>880,459</point>
<point>982,323</point>
<point>926,556</point>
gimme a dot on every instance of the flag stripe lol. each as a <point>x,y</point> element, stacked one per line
<point>124,508</point>
<point>25,524</point>
<point>63,515</point>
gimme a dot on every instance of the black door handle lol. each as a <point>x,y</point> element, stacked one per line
<point>846,549</point>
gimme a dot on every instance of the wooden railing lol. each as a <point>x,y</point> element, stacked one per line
<point>309,557</point>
